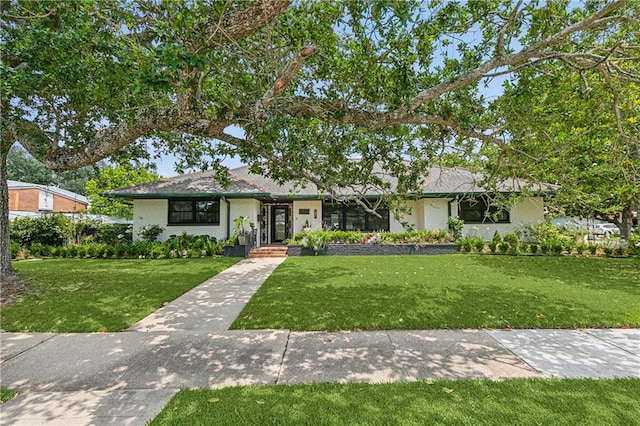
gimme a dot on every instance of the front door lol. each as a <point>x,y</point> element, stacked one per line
<point>279,224</point>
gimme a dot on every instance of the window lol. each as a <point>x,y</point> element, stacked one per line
<point>353,218</point>
<point>479,210</point>
<point>194,212</point>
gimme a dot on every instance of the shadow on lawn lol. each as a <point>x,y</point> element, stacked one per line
<point>468,402</point>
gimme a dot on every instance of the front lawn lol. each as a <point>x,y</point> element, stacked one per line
<point>449,291</point>
<point>87,295</point>
<point>462,402</point>
<point>6,394</point>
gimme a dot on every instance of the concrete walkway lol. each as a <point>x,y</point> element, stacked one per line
<point>126,378</point>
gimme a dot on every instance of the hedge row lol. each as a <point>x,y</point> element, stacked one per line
<point>177,246</point>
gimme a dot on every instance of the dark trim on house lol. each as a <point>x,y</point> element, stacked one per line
<point>199,215</point>
<point>186,195</point>
<point>479,210</point>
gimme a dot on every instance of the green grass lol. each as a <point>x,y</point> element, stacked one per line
<point>463,402</point>
<point>449,291</point>
<point>84,295</point>
<point>6,394</point>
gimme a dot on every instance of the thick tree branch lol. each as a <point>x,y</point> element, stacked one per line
<point>242,23</point>
<point>281,82</point>
<point>530,52</point>
<point>106,141</point>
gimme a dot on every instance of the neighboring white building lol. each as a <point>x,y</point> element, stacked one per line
<point>196,204</point>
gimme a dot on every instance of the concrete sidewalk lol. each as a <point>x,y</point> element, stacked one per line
<point>126,378</point>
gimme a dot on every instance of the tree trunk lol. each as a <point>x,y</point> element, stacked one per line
<point>626,223</point>
<point>6,272</point>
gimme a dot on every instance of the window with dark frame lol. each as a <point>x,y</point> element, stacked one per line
<point>480,210</point>
<point>351,217</point>
<point>194,212</point>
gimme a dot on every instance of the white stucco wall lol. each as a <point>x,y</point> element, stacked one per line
<point>154,212</point>
<point>529,210</point>
<point>299,219</point>
<point>412,217</point>
<point>435,213</point>
<point>245,207</point>
<point>428,213</point>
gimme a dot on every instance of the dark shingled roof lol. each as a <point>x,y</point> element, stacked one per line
<point>440,181</point>
<point>187,185</point>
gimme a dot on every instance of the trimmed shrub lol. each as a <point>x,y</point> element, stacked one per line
<point>113,233</point>
<point>52,230</point>
<point>478,244</point>
<point>15,249</point>
<point>455,226</point>
<point>150,233</point>
<point>495,242</point>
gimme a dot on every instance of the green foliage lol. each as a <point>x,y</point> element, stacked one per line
<point>231,241</point>
<point>495,241</point>
<point>511,238</point>
<point>150,233</point>
<point>308,238</point>
<point>469,244</point>
<point>634,244</point>
<point>54,229</point>
<point>503,247</point>
<point>6,394</point>
<point>40,235</point>
<point>589,147</point>
<point>455,226</point>
<point>112,233</point>
<point>582,247</point>
<point>15,249</point>
<point>239,225</point>
<point>315,240</point>
<point>114,178</point>
<point>185,246</point>
<point>21,166</point>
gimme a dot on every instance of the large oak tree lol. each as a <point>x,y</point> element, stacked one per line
<point>306,85</point>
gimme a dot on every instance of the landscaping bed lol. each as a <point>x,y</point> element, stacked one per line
<point>372,249</point>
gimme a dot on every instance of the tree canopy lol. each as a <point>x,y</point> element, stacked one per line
<point>21,166</point>
<point>306,81</point>
<point>113,178</point>
<point>307,84</point>
<point>577,131</point>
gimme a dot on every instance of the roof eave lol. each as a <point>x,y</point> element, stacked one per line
<point>163,195</point>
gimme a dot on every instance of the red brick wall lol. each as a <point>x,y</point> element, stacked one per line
<point>61,204</point>
<point>26,200</point>
<point>23,199</point>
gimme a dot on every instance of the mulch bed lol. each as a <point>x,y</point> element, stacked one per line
<point>11,290</point>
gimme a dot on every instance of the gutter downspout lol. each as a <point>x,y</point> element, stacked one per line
<point>228,216</point>
<point>449,205</point>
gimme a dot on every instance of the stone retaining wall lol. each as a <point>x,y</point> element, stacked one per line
<point>374,249</point>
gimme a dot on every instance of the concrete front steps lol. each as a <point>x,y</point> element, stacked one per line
<point>268,251</point>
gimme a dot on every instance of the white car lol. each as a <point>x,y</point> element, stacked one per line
<point>605,230</point>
